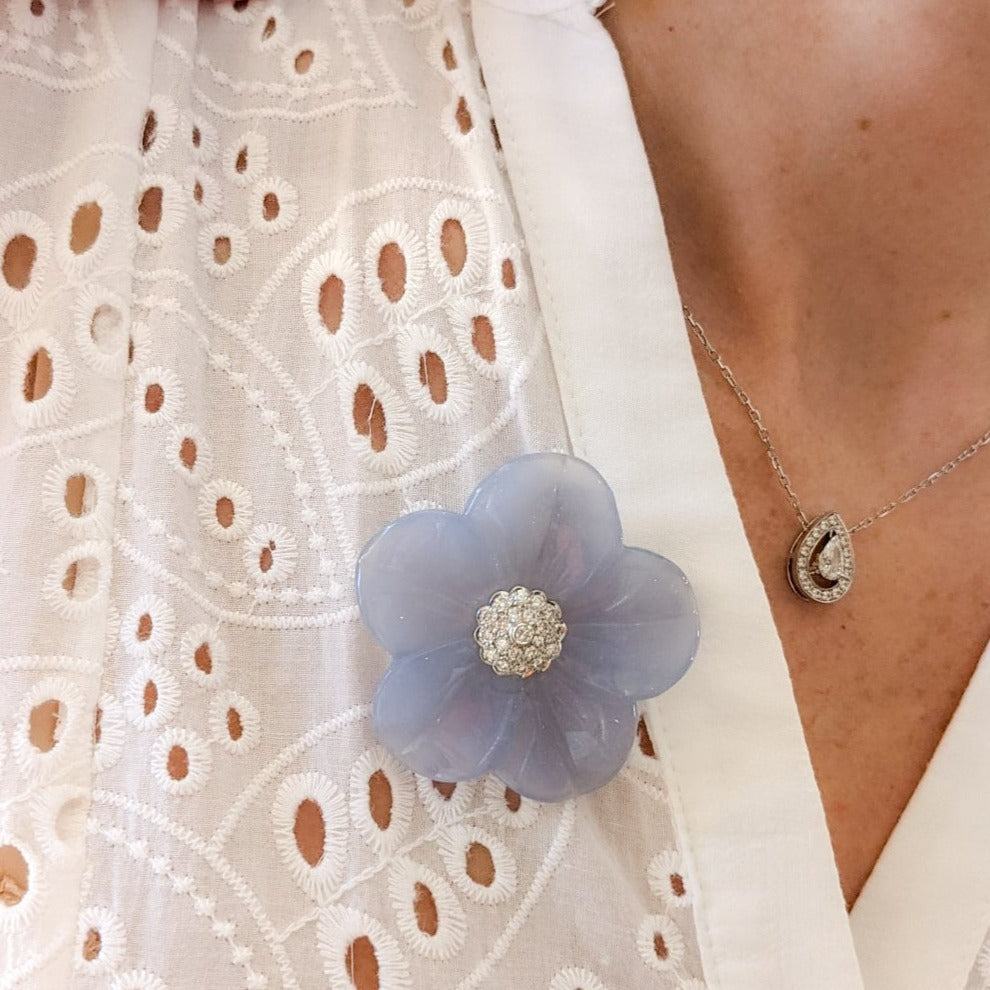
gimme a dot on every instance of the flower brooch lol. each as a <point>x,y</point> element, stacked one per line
<point>522,632</point>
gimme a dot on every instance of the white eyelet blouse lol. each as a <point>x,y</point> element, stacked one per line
<point>271,275</point>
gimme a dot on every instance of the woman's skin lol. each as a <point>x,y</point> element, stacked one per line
<point>824,175</point>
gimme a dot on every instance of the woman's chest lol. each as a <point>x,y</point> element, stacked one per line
<point>878,675</point>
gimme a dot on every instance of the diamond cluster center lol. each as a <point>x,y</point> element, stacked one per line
<point>519,632</point>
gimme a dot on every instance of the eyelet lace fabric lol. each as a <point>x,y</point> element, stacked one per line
<point>263,290</point>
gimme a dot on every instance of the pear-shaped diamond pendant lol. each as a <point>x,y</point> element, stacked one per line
<point>821,565</point>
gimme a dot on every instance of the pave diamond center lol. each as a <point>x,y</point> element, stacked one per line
<point>519,632</point>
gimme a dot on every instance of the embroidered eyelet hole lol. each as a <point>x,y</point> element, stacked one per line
<point>453,245</point>
<point>480,330</point>
<point>247,158</point>
<point>380,799</point>
<point>448,56</point>
<point>92,944</point>
<point>80,495</point>
<point>225,512</point>
<point>26,241</point>
<point>270,554</point>
<point>433,376</point>
<point>159,209</point>
<point>100,941</point>
<point>77,579</point>
<point>444,802</point>
<point>358,953</point>
<point>394,258</point>
<point>154,398</point>
<point>270,26</point>
<point>38,375</point>
<point>392,271</point>
<point>331,300</point>
<point>159,395</point>
<point>221,249</point>
<point>331,304</point>
<point>303,61</point>
<point>379,425</point>
<point>508,808</point>
<point>150,697</point>
<point>479,865</point>
<point>204,192</point>
<point>181,762</point>
<point>667,880</point>
<point>310,831</point>
<point>225,509</point>
<point>458,244</point>
<point>15,876</point>
<point>310,824</point>
<point>483,338</point>
<point>369,417</point>
<point>37,8</point>
<point>235,722</point>
<point>150,209</point>
<point>643,739</point>
<point>80,580</point>
<point>462,116</point>
<point>427,910</point>
<point>275,205</point>
<point>189,453</point>
<point>202,138</point>
<point>84,230</point>
<point>361,963</point>
<point>203,658</point>
<point>508,274</point>
<point>149,131</point>
<point>178,762</point>
<point>43,723</point>
<point>18,261</point>
<point>660,943</point>
<point>148,627</point>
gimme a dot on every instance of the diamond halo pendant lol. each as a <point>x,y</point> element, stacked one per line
<point>821,564</point>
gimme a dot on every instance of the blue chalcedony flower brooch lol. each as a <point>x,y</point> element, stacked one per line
<point>522,632</point>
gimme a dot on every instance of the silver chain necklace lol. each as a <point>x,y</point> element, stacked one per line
<point>820,565</point>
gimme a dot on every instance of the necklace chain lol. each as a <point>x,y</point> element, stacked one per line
<point>774,456</point>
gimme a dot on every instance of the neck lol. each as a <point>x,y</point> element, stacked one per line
<point>825,201</point>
